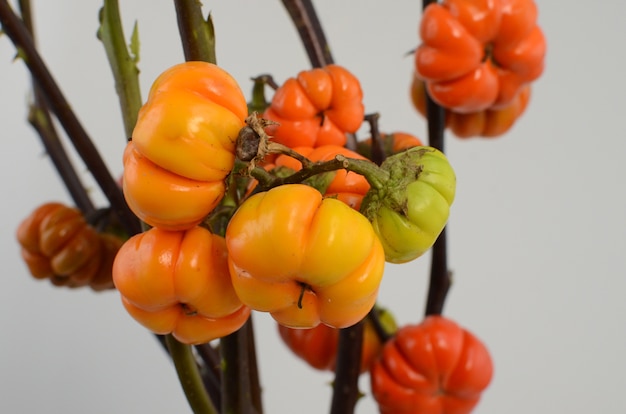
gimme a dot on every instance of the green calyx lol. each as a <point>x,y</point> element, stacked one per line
<point>411,208</point>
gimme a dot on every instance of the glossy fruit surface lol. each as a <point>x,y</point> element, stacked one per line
<point>435,367</point>
<point>316,108</point>
<point>178,282</point>
<point>183,145</point>
<point>479,54</point>
<point>164,199</point>
<point>190,121</point>
<point>303,258</point>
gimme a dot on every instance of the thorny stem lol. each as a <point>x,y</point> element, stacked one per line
<point>41,120</point>
<point>345,386</point>
<point>309,28</point>
<point>15,29</point>
<point>196,33</point>
<point>440,277</point>
<point>189,376</point>
<point>123,65</point>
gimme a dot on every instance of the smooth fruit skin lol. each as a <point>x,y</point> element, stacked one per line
<point>183,145</point>
<point>164,199</point>
<point>190,122</point>
<point>435,367</point>
<point>178,283</point>
<point>304,259</point>
<point>489,123</point>
<point>318,107</point>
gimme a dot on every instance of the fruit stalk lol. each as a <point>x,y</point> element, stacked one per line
<point>190,379</point>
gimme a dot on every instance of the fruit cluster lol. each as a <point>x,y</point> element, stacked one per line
<point>272,212</point>
<point>477,60</point>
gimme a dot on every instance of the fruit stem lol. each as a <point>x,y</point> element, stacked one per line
<point>189,376</point>
<point>259,103</point>
<point>196,33</point>
<point>123,65</point>
<point>374,175</point>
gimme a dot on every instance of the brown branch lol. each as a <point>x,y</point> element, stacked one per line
<point>309,28</point>
<point>17,32</point>
<point>374,318</point>
<point>255,384</point>
<point>378,146</point>
<point>210,372</point>
<point>41,120</point>
<point>236,369</point>
<point>346,384</point>
<point>440,279</point>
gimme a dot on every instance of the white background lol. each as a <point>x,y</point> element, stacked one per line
<point>537,232</point>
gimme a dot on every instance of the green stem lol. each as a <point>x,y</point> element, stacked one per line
<point>19,35</point>
<point>196,33</point>
<point>123,64</point>
<point>258,103</point>
<point>189,376</point>
<point>210,372</point>
<point>374,175</point>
